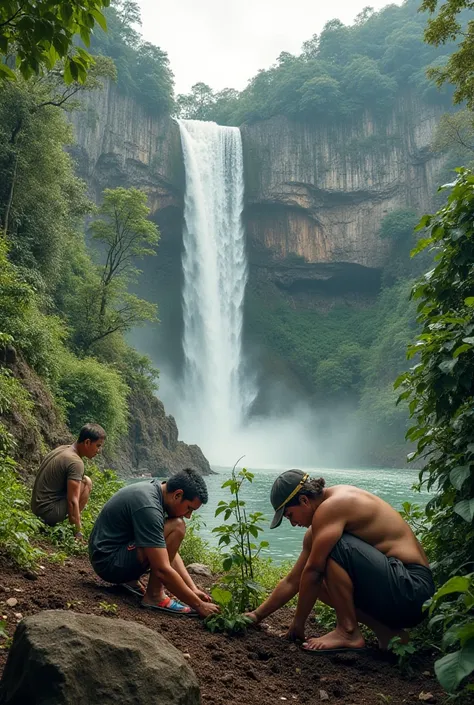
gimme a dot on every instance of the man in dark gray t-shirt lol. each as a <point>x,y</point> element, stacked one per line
<point>140,529</point>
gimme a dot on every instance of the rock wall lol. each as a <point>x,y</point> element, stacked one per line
<point>312,191</point>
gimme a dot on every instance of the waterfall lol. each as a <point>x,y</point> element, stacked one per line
<point>215,398</point>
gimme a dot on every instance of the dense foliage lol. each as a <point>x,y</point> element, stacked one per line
<point>338,75</point>
<point>442,29</point>
<point>440,390</point>
<point>143,69</point>
<point>58,303</point>
<point>39,34</point>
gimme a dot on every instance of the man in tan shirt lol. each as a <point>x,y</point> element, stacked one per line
<point>61,489</point>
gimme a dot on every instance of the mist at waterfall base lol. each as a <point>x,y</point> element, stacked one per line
<point>289,434</point>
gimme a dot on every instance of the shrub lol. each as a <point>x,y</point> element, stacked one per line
<point>93,392</point>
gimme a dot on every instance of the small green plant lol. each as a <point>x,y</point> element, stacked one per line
<point>238,537</point>
<point>384,698</point>
<point>457,618</point>
<point>74,603</point>
<point>108,607</point>
<point>229,620</point>
<point>403,653</point>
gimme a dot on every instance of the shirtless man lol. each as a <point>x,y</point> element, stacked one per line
<point>358,556</point>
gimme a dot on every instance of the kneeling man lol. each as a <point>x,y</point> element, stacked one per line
<point>61,489</point>
<point>359,556</point>
<point>141,528</point>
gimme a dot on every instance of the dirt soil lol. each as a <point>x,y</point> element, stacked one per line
<point>258,668</point>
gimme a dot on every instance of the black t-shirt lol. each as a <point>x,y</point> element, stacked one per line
<point>134,515</point>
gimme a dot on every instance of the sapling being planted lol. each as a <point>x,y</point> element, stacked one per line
<point>238,591</point>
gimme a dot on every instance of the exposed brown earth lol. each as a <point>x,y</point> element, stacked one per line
<point>259,667</point>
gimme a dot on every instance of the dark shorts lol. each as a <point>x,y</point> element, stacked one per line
<point>119,566</point>
<point>55,513</point>
<point>388,590</point>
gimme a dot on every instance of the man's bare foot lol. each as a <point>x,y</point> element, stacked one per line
<point>337,639</point>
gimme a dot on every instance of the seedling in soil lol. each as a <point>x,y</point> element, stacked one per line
<point>108,607</point>
<point>229,620</point>
<point>403,652</point>
<point>238,535</point>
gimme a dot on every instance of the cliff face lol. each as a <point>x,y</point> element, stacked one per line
<point>321,192</point>
<point>318,193</point>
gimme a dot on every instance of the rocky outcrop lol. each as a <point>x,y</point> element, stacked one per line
<point>152,446</point>
<point>118,143</point>
<point>61,657</point>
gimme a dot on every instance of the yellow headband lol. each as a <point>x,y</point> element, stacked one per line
<point>295,491</point>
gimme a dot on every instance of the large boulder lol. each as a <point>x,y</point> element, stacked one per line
<point>62,658</point>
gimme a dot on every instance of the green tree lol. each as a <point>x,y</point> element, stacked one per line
<point>447,26</point>
<point>39,34</point>
<point>197,104</point>
<point>143,69</point>
<point>41,199</point>
<point>399,224</point>
<point>104,305</point>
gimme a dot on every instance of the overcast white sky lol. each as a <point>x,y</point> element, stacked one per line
<point>225,43</point>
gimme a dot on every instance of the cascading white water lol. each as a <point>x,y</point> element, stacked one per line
<point>215,398</point>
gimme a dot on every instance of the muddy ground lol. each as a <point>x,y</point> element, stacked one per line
<point>259,667</point>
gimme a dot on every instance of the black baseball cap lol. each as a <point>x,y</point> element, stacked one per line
<point>285,487</point>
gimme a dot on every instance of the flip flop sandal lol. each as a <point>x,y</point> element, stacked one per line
<point>135,590</point>
<point>172,606</point>
<point>341,650</point>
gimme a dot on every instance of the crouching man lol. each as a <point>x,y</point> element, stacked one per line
<point>61,489</point>
<point>359,556</point>
<point>140,529</point>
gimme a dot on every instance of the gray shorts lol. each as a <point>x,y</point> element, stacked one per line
<point>119,566</point>
<point>55,513</point>
<point>388,590</point>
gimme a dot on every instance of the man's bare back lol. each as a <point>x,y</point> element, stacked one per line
<point>373,520</point>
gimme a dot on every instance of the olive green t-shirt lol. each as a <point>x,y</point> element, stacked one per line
<point>59,466</point>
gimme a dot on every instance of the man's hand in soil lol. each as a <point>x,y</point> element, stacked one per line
<point>253,616</point>
<point>207,609</point>
<point>79,537</point>
<point>295,632</point>
<point>202,595</point>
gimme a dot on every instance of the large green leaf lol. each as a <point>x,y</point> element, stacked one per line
<point>457,584</point>
<point>465,509</point>
<point>221,596</point>
<point>453,668</point>
<point>459,475</point>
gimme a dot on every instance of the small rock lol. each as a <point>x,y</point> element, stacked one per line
<point>323,695</point>
<point>186,655</point>
<point>4,589</point>
<point>283,698</point>
<point>426,673</point>
<point>18,615</point>
<point>17,590</point>
<point>252,674</point>
<point>41,567</point>
<point>427,697</point>
<point>12,602</point>
<point>199,569</point>
<point>227,678</point>
<point>292,647</point>
<point>30,575</point>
